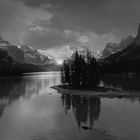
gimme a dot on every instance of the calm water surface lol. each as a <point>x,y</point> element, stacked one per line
<point>31,110</point>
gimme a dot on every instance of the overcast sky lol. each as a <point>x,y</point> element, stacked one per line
<point>50,24</point>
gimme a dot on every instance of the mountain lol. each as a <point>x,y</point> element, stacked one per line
<point>126,60</point>
<point>137,40</point>
<point>81,50</point>
<point>48,59</point>
<point>33,56</point>
<point>45,53</point>
<point>112,48</point>
<point>126,42</point>
<point>84,53</point>
<point>26,54</point>
<point>3,42</point>
<point>15,59</point>
<point>10,66</point>
<point>130,51</point>
<point>14,52</point>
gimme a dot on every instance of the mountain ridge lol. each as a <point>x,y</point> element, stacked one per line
<point>16,59</point>
<point>125,61</point>
<point>112,48</point>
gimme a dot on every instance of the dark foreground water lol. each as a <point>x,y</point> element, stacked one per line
<point>31,110</point>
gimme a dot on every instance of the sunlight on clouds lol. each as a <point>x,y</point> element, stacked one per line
<point>84,39</point>
<point>36,28</point>
<point>59,61</point>
<point>46,24</point>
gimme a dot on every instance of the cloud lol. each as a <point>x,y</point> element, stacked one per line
<point>56,24</point>
<point>36,28</point>
<point>97,15</point>
<point>61,43</point>
<point>39,3</point>
<point>83,40</point>
<point>16,18</point>
<point>47,37</point>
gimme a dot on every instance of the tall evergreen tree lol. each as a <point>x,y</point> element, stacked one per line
<point>76,70</point>
<point>67,76</point>
<point>62,75</point>
<point>82,72</point>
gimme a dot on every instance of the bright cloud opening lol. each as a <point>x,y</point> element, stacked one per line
<point>59,62</point>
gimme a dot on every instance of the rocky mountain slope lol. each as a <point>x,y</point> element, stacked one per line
<point>15,59</point>
<point>112,48</point>
<point>124,61</point>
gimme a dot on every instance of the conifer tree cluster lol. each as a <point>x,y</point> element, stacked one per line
<point>81,72</point>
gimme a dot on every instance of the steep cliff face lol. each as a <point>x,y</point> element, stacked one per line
<point>112,48</point>
<point>126,60</point>
<point>126,42</point>
<point>24,54</point>
<point>33,56</point>
<point>13,51</point>
<point>3,42</point>
<point>14,61</point>
<point>137,40</point>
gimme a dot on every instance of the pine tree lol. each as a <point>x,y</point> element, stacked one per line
<point>81,72</point>
<point>76,71</point>
<point>67,76</point>
<point>62,75</point>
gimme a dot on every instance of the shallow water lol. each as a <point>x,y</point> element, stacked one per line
<point>31,110</point>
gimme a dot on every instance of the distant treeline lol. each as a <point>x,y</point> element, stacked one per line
<point>120,67</point>
<point>83,72</point>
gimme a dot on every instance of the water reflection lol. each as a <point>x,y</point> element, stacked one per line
<point>132,84</point>
<point>15,88</point>
<point>86,110</point>
<point>30,109</point>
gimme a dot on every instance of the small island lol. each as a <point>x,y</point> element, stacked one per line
<point>80,72</point>
<point>81,76</point>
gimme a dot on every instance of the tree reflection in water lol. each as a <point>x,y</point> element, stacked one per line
<point>86,110</point>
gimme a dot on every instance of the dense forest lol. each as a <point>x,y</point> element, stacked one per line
<point>82,72</point>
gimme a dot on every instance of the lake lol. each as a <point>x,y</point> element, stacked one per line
<point>31,110</point>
